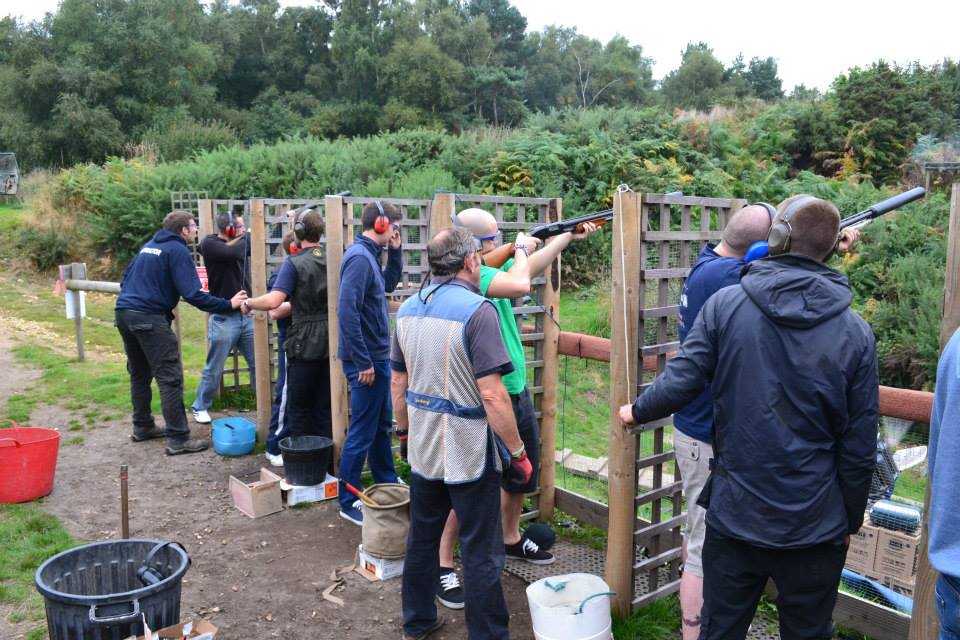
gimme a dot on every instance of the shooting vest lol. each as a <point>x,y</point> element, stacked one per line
<point>448,434</point>
<point>307,335</point>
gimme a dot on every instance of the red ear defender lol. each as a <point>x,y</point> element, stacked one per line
<point>382,223</point>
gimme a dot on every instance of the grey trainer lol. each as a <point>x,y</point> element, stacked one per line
<point>194,445</point>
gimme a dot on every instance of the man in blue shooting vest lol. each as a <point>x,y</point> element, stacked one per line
<point>151,287</point>
<point>364,350</point>
<point>448,358</point>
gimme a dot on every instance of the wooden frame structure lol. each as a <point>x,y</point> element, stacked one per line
<point>656,241</point>
<point>420,219</point>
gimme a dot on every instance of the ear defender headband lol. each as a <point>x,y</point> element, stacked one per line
<point>382,223</point>
<point>780,230</point>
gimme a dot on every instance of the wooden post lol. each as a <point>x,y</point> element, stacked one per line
<point>78,271</point>
<point>443,206</point>
<point>924,624</point>
<point>261,337</point>
<point>339,401</point>
<point>205,217</point>
<point>124,504</point>
<point>622,465</point>
<point>548,402</point>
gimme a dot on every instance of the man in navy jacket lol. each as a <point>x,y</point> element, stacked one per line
<point>152,285</point>
<point>364,349</point>
<point>793,376</point>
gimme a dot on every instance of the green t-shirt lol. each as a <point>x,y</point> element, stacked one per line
<point>516,381</point>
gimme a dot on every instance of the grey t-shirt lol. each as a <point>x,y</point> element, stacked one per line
<point>484,343</point>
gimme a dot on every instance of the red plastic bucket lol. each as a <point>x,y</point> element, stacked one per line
<point>28,461</point>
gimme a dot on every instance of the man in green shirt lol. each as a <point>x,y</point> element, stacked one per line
<point>500,285</point>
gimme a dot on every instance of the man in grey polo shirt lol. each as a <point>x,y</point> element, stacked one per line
<point>449,401</point>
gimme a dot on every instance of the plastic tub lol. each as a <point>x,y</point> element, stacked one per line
<point>96,592</point>
<point>233,436</point>
<point>306,459</point>
<point>28,462</point>
<point>575,606</point>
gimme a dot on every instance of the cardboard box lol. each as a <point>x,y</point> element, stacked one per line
<point>260,497</point>
<point>897,554</point>
<point>326,490</point>
<point>377,567</point>
<point>903,587</point>
<point>202,630</point>
<point>861,554</point>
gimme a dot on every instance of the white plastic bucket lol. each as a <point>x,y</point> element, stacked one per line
<point>575,606</point>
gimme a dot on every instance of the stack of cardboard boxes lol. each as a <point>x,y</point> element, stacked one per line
<point>885,555</point>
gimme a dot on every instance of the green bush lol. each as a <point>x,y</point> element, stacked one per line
<point>185,137</point>
<point>46,248</point>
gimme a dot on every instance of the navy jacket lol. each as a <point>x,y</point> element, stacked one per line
<point>711,273</point>
<point>793,375</point>
<point>362,303</point>
<point>161,274</point>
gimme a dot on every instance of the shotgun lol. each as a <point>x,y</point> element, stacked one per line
<point>501,254</point>
<point>760,249</point>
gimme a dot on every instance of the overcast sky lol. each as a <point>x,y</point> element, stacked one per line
<point>813,41</point>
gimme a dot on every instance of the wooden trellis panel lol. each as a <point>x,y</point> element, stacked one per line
<point>538,318</point>
<point>189,201</point>
<point>670,232</point>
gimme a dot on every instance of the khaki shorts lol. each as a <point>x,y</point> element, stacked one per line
<point>693,457</point>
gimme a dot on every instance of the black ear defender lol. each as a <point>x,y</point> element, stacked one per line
<point>780,231</point>
<point>299,229</point>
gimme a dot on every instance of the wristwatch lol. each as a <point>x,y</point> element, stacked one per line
<point>521,247</point>
<point>516,455</point>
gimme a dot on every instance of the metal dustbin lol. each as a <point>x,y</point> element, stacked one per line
<point>101,591</point>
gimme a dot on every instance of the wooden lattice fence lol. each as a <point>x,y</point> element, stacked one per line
<point>656,241</point>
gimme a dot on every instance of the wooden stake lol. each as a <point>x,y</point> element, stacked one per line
<point>124,504</point>
<point>548,402</point>
<point>261,337</point>
<point>622,454</point>
<point>924,624</point>
<point>339,401</point>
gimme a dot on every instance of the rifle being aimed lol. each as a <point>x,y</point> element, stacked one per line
<point>501,254</point>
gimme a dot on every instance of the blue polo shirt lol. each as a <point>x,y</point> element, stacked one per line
<point>710,273</point>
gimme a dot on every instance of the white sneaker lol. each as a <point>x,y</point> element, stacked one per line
<point>275,460</point>
<point>201,417</point>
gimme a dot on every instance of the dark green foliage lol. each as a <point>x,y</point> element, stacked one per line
<point>46,248</point>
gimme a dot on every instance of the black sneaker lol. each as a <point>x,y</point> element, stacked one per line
<point>187,446</point>
<point>449,591</point>
<point>151,434</point>
<point>527,549</point>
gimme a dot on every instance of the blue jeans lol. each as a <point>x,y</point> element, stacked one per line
<point>224,332</point>
<point>368,436</point>
<point>278,410</point>
<point>477,505</point>
<point>948,606</point>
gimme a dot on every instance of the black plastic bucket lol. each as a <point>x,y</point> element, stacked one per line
<point>96,592</point>
<point>306,459</point>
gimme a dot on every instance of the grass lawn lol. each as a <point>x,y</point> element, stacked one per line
<point>28,536</point>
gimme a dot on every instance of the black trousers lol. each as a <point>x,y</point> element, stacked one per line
<point>477,505</point>
<point>735,573</point>
<point>153,354</point>
<point>308,398</point>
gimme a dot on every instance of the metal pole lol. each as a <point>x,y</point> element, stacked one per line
<point>124,504</point>
<point>78,271</point>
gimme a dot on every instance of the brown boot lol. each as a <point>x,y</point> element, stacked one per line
<point>194,445</point>
<point>151,434</point>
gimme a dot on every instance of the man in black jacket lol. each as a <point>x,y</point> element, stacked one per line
<point>152,285</point>
<point>225,255</point>
<point>793,376</point>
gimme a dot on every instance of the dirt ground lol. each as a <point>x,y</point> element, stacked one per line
<point>252,578</point>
